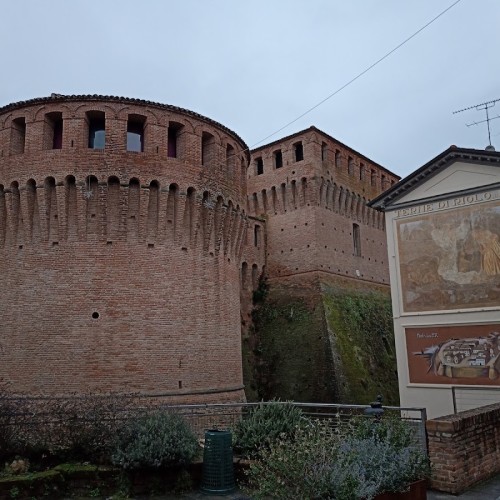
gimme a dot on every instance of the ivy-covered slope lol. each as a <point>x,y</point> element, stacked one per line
<point>320,342</point>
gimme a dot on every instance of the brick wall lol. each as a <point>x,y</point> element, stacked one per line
<point>121,270</point>
<point>464,448</point>
<point>313,203</point>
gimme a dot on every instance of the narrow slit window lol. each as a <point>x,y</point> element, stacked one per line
<point>373,178</point>
<point>256,235</point>
<point>356,240</point>
<point>361,172</point>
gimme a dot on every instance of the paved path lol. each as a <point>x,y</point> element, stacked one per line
<point>488,490</point>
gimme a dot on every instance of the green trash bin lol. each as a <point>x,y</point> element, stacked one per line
<point>218,472</point>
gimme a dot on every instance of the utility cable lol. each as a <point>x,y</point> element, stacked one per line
<point>359,75</point>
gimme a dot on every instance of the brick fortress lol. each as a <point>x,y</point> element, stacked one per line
<point>132,235</point>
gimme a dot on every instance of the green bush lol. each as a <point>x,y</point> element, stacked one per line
<point>356,462</point>
<point>295,468</point>
<point>264,424</point>
<point>155,440</point>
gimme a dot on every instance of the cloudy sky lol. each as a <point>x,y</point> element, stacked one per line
<point>256,65</point>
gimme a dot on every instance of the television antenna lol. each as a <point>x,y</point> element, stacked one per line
<point>480,107</point>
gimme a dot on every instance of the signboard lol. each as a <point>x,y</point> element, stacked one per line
<point>449,255</point>
<point>454,354</point>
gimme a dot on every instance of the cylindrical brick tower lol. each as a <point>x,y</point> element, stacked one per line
<point>121,230</point>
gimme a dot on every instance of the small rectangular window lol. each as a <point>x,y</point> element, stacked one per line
<point>207,149</point>
<point>362,172</point>
<point>299,151</point>
<point>259,164</point>
<point>135,133</point>
<point>278,159</point>
<point>174,131</point>
<point>97,129</point>
<point>382,182</point>
<point>18,135</point>
<point>373,178</point>
<point>52,130</point>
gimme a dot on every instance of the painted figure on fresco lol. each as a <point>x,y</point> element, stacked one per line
<point>450,259</point>
<point>490,251</point>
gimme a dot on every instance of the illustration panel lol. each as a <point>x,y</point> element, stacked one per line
<point>454,354</point>
<point>450,259</point>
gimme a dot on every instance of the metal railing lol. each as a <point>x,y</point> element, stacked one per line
<point>202,417</point>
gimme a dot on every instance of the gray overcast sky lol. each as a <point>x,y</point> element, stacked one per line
<point>256,65</point>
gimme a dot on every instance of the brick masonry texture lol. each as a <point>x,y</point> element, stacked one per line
<point>130,271</point>
<point>464,448</point>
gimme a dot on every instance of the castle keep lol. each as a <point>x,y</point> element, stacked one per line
<point>132,235</point>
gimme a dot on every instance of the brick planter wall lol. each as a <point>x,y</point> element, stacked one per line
<point>464,448</point>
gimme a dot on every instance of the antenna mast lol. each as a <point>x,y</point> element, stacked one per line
<point>480,107</point>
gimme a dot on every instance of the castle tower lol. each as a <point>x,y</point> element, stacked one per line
<point>122,225</point>
<point>323,242</point>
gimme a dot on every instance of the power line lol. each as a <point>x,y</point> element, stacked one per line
<point>359,75</point>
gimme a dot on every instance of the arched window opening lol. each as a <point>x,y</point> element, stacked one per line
<point>97,129</point>
<point>135,133</point>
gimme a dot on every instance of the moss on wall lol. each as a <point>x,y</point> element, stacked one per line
<point>320,344</point>
<point>361,329</point>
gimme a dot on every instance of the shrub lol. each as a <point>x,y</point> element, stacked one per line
<point>155,440</point>
<point>295,468</point>
<point>365,467</point>
<point>321,463</point>
<point>264,424</point>
<point>389,428</point>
